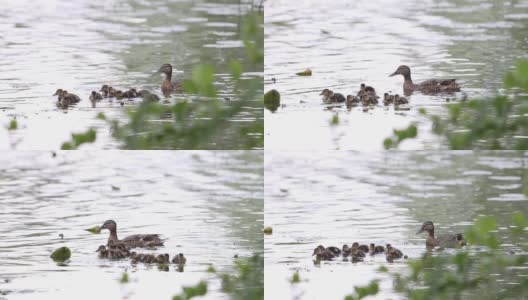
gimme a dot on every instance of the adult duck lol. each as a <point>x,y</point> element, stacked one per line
<point>445,241</point>
<point>169,86</point>
<point>133,241</point>
<point>431,86</point>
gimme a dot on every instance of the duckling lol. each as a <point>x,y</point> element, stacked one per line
<point>357,255</point>
<point>148,96</point>
<point>324,255</point>
<point>130,94</point>
<point>400,100</point>
<point>326,93</point>
<point>362,93</point>
<point>318,249</point>
<point>111,91</point>
<point>66,98</point>
<point>336,251</point>
<point>376,249</point>
<point>118,95</point>
<point>163,258</point>
<point>352,100</point>
<point>363,248</point>
<point>370,97</point>
<point>103,253</point>
<point>104,90</point>
<point>346,250</point>
<point>95,96</point>
<point>388,99</point>
<point>393,252</point>
<point>179,259</point>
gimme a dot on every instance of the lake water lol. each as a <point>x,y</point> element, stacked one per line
<point>346,43</point>
<point>207,204</point>
<point>81,45</point>
<point>340,197</point>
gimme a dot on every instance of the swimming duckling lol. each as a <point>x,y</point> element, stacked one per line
<point>376,249</point>
<point>352,100</point>
<point>324,254</point>
<point>326,93</point>
<point>362,93</point>
<point>388,99</point>
<point>318,249</point>
<point>400,100</point>
<point>346,250</point>
<point>148,96</point>
<point>363,248</point>
<point>336,251</point>
<point>179,259</point>
<point>65,99</point>
<point>95,96</point>
<point>103,253</point>
<point>163,258</point>
<point>130,94</point>
<point>393,252</point>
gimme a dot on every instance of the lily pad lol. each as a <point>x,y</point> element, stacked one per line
<point>268,230</point>
<point>272,100</point>
<point>60,255</point>
<point>306,72</point>
<point>95,229</point>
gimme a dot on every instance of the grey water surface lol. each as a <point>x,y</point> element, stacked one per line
<point>346,43</point>
<point>333,198</point>
<point>208,205</point>
<point>81,45</point>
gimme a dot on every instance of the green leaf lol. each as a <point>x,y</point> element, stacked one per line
<point>268,230</point>
<point>272,100</point>
<point>96,229</point>
<point>60,255</point>
<point>306,72</point>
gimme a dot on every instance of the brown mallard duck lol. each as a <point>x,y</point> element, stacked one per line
<point>133,241</point>
<point>168,86</point>
<point>331,97</point>
<point>444,241</point>
<point>431,86</point>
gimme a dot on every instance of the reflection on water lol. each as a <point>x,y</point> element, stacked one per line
<point>80,45</point>
<point>346,43</point>
<point>334,198</point>
<point>207,204</point>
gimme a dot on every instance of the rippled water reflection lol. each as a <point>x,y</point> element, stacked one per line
<point>208,204</point>
<point>346,43</point>
<point>79,45</point>
<point>340,197</point>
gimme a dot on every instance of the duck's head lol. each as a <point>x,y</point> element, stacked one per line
<point>101,248</point>
<point>165,69</point>
<point>355,245</point>
<point>402,70</point>
<point>110,225</point>
<point>58,92</point>
<point>372,246</point>
<point>104,88</point>
<point>426,226</point>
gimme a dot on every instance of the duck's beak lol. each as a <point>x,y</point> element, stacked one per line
<point>395,73</point>
<point>420,231</point>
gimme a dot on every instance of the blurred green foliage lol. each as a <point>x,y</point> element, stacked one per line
<point>363,291</point>
<point>497,123</point>
<point>79,139</point>
<point>245,282</point>
<point>399,136</point>
<point>483,271</point>
<point>248,280</point>
<point>192,291</point>
<point>124,278</point>
<point>13,125</point>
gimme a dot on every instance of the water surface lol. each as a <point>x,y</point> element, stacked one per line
<point>80,45</point>
<point>346,43</point>
<point>334,198</point>
<point>208,205</point>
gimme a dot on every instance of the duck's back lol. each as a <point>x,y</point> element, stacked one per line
<point>438,86</point>
<point>143,240</point>
<point>449,240</point>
